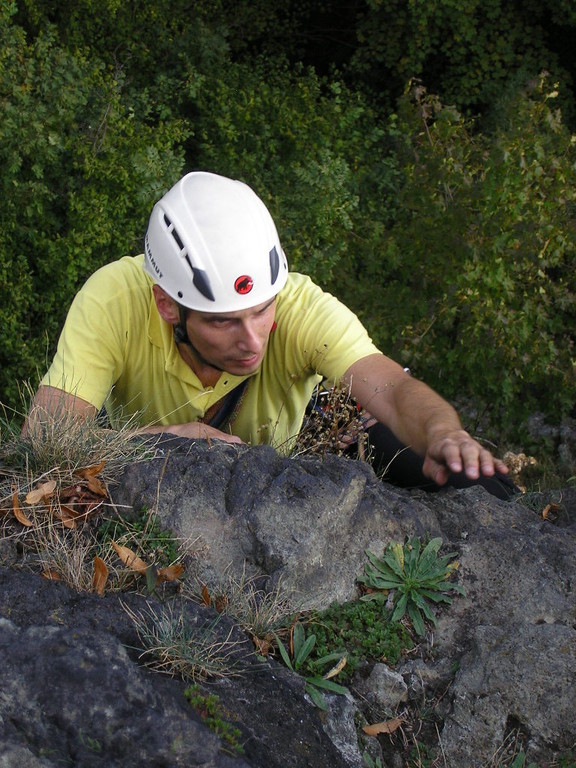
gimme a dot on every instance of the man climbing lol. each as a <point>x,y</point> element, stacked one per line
<point>207,335</point>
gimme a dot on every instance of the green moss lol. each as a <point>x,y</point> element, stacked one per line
<point>361,629</point>
<point>212,713</point>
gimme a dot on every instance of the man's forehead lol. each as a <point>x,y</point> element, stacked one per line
<point>237,314</point>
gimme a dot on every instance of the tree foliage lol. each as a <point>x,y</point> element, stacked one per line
<point>443,212</point>
<point>473,286</point>
<point>469,51</point>
<point>79,167</point>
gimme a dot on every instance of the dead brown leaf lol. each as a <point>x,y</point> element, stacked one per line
<point>262,645</point>
<point>41,493</point>
<point>66,515</point>
<point>550,512</point>
<point>220,603</point>
<point>206,599</point>
<point>170,573</point>
<point>71,492</point>
<point>130,559</point>
<point>97,486</point>
<point>87,472</point>
<point>336,668</point>
<point>387,726</point>
<point>100,575</point>
<point>51,575</point>
<point>80,500</point>
<point>19,513</point>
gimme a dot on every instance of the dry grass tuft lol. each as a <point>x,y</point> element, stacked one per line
<point>175,645</point>
<point>78,456</point>
<point>259,612</point>
<point>62,444</point>
<point>54,479</point>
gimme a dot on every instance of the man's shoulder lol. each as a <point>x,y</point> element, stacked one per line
<point>302,294</point>
<point>119,291</point>
<point>119,280</point>
<point>126,271</point>
<point>298,289</point>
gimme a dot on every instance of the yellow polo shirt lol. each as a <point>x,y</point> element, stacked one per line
<point>116,350</point>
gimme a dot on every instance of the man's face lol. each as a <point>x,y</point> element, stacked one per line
<point>232,341</point>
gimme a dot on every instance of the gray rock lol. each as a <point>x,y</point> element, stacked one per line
<point>384,688</point>
<point>503,658</point>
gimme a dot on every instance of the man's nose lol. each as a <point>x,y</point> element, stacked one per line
<point>249,338</point>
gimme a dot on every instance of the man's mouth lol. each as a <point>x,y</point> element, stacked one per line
<point>248,361</point>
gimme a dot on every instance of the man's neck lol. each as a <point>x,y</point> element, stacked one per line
<point>207,374</point>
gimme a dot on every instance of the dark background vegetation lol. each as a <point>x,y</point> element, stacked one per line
<point>417,156</point>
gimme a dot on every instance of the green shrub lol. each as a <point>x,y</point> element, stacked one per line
<point>452,239</point>
<point>468,52</point>
<point>80,166</point>
<point>472,286</point>
<point>301,141</point>
<point>300,658</point>
<point>361,630</point>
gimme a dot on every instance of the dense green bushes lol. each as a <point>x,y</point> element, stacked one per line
<point>467,50</point>
<point>79,166</point>
<point>473,282</point>
<point>453,237</point>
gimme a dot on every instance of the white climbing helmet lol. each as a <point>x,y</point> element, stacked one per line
<point>212,245</point>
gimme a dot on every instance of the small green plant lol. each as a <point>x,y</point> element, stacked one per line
<point>360,630</point>
<point>567,760</point>
<point>416,575</point>
<point>370,762</point>
<point>511,753</point>
<point>213,715</point>
<point>302,647</point>
<point>90,743</point>
<point>420,756</point>
<point>520,762</point>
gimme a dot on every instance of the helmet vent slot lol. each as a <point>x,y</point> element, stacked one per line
<point>274,265</point>
<point>174,232</point>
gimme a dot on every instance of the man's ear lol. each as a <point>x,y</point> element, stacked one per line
<point>167,307</point>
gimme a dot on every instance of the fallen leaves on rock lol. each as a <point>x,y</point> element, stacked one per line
<point>386,726</point>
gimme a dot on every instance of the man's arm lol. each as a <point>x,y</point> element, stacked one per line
<point>54,403</point>
<point>50,402</point>
<point>420,418</point>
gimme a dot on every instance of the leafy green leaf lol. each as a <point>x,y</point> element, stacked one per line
<point>317,699</point>
<point>284,653</point>
<point>400,607</point>
<point>328,685</point>
<point>304,651</point>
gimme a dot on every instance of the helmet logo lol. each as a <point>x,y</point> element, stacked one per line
<point>243,284</point>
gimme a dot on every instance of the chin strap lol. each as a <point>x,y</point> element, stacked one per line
<point>181,337</point>
<point>180,332</point>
